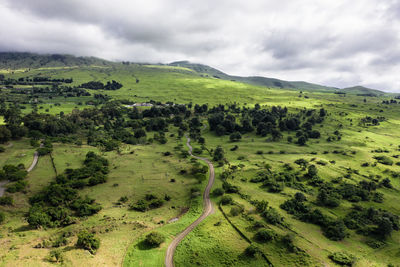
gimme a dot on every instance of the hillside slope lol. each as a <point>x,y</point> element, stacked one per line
<point>16,60</point>
<point>23,60</point>
<point>254,80</point>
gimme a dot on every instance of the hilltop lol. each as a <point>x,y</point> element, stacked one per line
<point>18,60</point>
<point>23,60</point>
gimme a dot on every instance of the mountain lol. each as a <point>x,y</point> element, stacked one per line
<point>22,60</point>
<point>361,90</point>
<point>17,60</point>
<point>254,80</point>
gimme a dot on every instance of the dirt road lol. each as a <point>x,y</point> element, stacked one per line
<point>33,165</point>
<point>207,210</point>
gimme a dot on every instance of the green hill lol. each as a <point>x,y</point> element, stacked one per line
<point>23,60</point>
<point>254,80</point>
<point>17,60</point>
<point>360,90</point>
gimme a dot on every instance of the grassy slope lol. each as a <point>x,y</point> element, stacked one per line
<point>120,229</point>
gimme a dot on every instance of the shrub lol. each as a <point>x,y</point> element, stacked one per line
<point>123,199</point>
<point>288,240</point>
<point>335,231</point>
<point>17,186</point>
<point>328,198</point>
<point>44,151</point>
<point>6,200</point>
<point>2,217</point>
<point>56,255</point>
<point>218,192</point>
<point>343,258</point>
<point>154,239</point>
<point>265,235</point>
<point>88,241</point>
<point>384,160</point>
<point>236,210</point>
<point>272,216</point>
<point>141,205</point>
<point>251,250</point>
<point>226,200</point>
<point>234,137</point>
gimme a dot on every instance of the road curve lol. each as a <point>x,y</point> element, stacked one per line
<point>33,165</point>
<point>207,210</point>
<point>34,162</point>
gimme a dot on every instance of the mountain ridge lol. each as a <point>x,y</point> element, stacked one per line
<point>20,60</point>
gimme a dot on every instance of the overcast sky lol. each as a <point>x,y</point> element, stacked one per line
<point>339,43</point>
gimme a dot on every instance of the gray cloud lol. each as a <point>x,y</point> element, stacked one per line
<point>338,43</point>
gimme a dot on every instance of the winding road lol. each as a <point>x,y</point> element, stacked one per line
<point>207,210</point>
<point>33,165</point>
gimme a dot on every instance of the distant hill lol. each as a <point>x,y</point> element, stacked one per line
<point>255,80</point>
<point>17,60</point>
<point>21,60</point>
<point>360,90</point>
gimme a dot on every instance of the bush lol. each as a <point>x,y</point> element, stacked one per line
<point>141,205</point>
<point>88,241</point>
<point>17,186</point>
<point>288,241</point>
<point>234,137</point>
<point>56,255</point>
<point>265,235</point>
<point>251,250</point>
<point>335,231</point>
<point>226,200</point>
<point>236,210</point>
<point>2,217</point>
<point>44,151</point>
<point>272,216</point>
<point>384,160</point>
<point>6,200</point>
<point>154,239</point>
<point>218,192</point>
<point>343,258</point>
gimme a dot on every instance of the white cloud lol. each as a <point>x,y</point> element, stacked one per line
<point>339,43</point>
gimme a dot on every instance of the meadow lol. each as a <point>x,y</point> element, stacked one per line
<point>137,170</point>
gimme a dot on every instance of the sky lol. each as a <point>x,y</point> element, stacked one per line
<point>338,43</point>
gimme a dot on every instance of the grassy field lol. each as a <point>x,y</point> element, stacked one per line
<point>137,170</point>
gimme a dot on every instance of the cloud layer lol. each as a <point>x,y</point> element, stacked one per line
<point>338,43</point>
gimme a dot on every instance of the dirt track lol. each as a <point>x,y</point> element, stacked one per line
<point>207,210</point>
<point>33,165</point>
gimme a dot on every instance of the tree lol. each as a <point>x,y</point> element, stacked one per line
<point>300,197</point>
<point>312,171</point>
<point>265,235</point>
<point>218,192</point>
<point>5,134</point>
<point>251,250</point>
<point>56,255</point>
<point>261,206</point>
<point>385,227</point>
<point>88,241</point>
<point>154,239</point>
<point>335,230</point>
<point>302,140</point>
<point>225,200</point>
<point>276,134</point>
<point>234,137</point>
<point>218,153</point>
